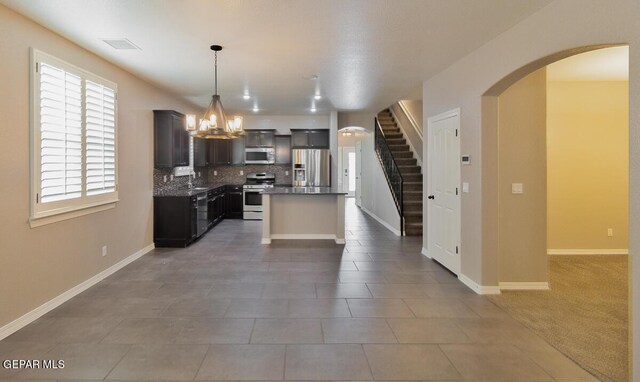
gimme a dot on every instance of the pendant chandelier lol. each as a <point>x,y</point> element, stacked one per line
<point>214,124</point>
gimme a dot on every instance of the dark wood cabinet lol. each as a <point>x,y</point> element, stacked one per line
<point>260,138</point>
<point>310,139</point>
<point>222,151</point>
<point>171,139</point>
<point>202,152</point>
<point>283,149</point>
<point>234,202</point>
<point>237,151</point>
<point>174,220</point>
<point>215,206</point>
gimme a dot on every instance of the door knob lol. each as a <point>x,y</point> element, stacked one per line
<point>431,197</point>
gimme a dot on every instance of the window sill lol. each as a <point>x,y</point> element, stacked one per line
<point>98,207</point>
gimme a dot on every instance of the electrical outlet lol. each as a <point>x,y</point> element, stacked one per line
<point>171,177</point>
<point>610,232</point>
<point>286,173</point>
<point>241,172</point>
<point>104,250</point>
<point>215,172</point>
<point>465,187</point>
<point>164,178</point>
<point>198,174</point>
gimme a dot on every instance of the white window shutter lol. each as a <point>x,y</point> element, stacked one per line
<point>60,134</point>
<point>100,141</point>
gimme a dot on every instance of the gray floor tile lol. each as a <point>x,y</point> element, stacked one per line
<point>313,277</point>
<point>357,331</point>
<point>326,362</point>
<point>439,307</point>
<point>67,330</point>
<point>21,350</point>
<point>343,291</point>
<point>289,291</point>
<point>427,331</point>
<point>243,362</point>
<point>286,331</point>
<point>361,277</point>
<point>257,308</point>
<point>160,362</point>
<point>216,331</point>
<point>379,308</point>
<point>318,308</point>
<point>236,290</point>
<point>146,331</point>
<point>409,362</point>
<point>81,361</point>
<point>558,366</point>
<point>197,307</point>
<point>396,290</point>
<point>493,362</point>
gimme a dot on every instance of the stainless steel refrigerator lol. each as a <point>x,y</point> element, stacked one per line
<point>311,167</point>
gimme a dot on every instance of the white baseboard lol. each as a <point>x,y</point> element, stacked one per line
<point>621,251</point>
<point>479,289</point>
<point>425,253</point>
<point>48,306</point>
<point>523,286</point>
<point>384,223</point>
<point>304,236</point>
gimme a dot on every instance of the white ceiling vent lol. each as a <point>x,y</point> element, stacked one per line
<point>120,43</point>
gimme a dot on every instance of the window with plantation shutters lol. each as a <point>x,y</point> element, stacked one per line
<point>100,138</point>
<point>73,141</point>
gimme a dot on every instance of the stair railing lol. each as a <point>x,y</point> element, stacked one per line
<point>390,169</point>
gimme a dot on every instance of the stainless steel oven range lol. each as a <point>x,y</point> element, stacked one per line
<point>256,182</point>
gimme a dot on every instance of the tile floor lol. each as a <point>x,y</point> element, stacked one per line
<point>229,308</point>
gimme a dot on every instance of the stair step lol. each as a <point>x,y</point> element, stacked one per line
<point>399,147</point>
<point>396,141</point>
<point>391,131</point>
<point>412,186</point>
<point>393,135</point>
<point>413,213</point>
<point>408,195</point>
<point>409,169</point>
<point>402,155</point>
<point>412,177</point>
<point>406,161</point>
<point>410,205</point>
<point>413,229</point>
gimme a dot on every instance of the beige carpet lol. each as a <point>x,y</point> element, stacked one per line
<point>584,315</point>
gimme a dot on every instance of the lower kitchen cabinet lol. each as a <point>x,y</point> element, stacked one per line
<point>234,202</point>
<point>175,220</point>
<point>180,220</point>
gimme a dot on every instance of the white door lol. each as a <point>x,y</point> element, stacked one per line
<point>359,173</point>
<point>348,169</point>
<point>443,207</point>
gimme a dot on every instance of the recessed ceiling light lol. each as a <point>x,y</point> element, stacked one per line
<point>255,109</point>
<point>313,110</point>
<point>246,96</point>
<point>317,96</point>
<point>121,44</point>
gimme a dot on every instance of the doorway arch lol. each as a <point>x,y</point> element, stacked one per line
<point>490,150</point>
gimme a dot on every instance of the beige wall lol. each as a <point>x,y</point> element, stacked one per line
<point>41,263</point>
<point>522,159</point>
<point>588,169</point>
<point>560,26</point>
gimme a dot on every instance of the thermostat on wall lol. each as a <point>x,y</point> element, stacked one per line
<point>466,159</point>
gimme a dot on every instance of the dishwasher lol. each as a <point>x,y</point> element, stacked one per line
<point>202,220</point>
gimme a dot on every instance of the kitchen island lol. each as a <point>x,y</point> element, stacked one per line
<point>296,213</point>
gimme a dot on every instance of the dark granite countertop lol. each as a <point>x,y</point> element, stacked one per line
<point>184,191</point>
<point>303,191</point>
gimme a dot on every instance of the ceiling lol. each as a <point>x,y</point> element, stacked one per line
<point>608,64</point>
<point>366,54</point>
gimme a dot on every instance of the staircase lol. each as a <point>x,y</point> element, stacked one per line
<point>411,174</point>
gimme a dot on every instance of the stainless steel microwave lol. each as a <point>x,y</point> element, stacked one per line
<point>259,155</point>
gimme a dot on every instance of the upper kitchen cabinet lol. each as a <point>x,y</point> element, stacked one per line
<point>260,138</point>
<point>283,149</point>
<point>203,152</point>
<point>237,150</point>
<point>171,139</point>
<point>222,151</point>
<point>310,139</point>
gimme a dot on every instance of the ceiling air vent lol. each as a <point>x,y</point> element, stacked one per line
<point>120,43</point>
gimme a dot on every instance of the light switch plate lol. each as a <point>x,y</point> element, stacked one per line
<point>517,188</point>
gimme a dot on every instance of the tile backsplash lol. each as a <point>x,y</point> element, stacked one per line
<point>231,174</point>
<point>225,175</point>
